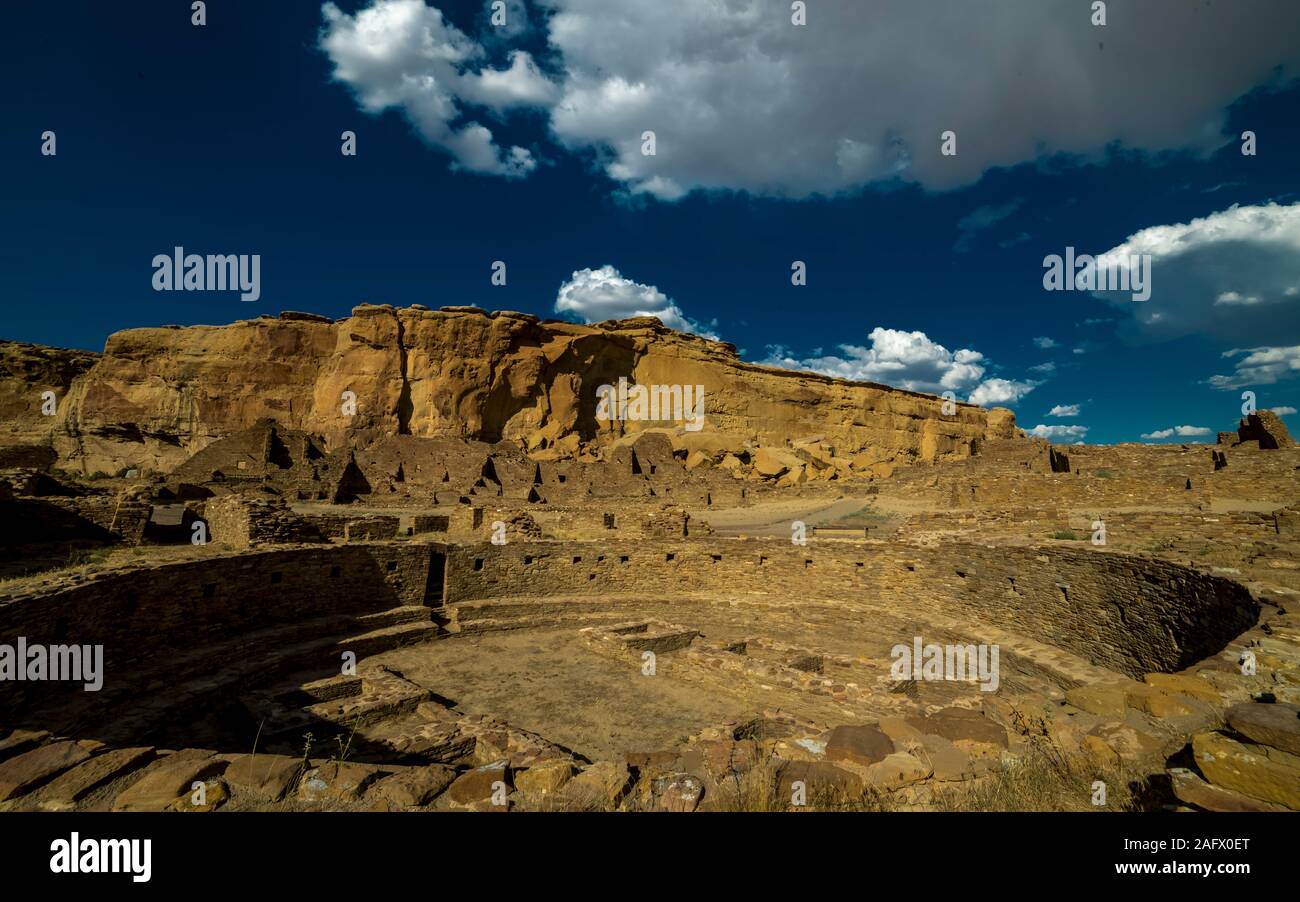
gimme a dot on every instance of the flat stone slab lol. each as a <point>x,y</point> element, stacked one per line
<point>477,785</point>
<point>602,784</point>
<point>265,776</point>
<point>1105,701</point>
<point>897,770</point>
<point>1183,684</point>
<point>949,763</point>
<point>1190,788</point>
<point>342,781</point>
<point>23,773</point>
<point>676,792</point>
<point>547,777</point>
<point>77,783</point>
<point>169,779</point>
<point>1258,771</point>
<point>822,781</point>
<point>961,723</point>
<point>20,741</point>
<point>413,786</point>
<point>1276,725</point>
<point>865,745</point>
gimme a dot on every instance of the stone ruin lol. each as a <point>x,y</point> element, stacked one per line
<point>385,620</point>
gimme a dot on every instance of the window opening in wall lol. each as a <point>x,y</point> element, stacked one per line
<point>392,565</point>
<point>478,564</point>
<point>277,576</point>
<point>336,572</point>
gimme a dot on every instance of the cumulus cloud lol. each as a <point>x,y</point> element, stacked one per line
<point>741,99</point>
<point>594,295</point>
<point>1064,410</point>
<point>1044,343</point>
<point>1179,431</point>
<point>1232,275</point>
<point>1000,391</point>
<point>909,360</point>
<point>1259,366</point>
<point>1283,411</point>
<point>1067,433</point>
<point>404,55</point>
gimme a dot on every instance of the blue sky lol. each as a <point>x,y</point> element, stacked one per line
<point>775,143</point>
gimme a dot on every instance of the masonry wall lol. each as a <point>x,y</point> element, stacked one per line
<point>150,615</point>
<point>1127,613</point>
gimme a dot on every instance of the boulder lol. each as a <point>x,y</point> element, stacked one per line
<point>267,777</point>
<point>337,781</point>
<point>480,785</point>
<point>412,786</point>
<point>545,777</point>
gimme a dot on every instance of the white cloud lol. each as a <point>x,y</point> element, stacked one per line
<point>741,99</point>
<point>1180,431</point>
<point>1064,410</point>
<point>594,295</point>
<point>403,54</point>
<point>1000,391</point>
<point>912,361</point>
<point>1045,368</point>
<point>1232,275</point>
<point>1045,343</point>
<point>1231,297</point>
<point>1283,411</point>
<point>1259,366</point>
<point>1071,433</point>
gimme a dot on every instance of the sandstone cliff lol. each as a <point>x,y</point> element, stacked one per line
<point>156,396</point>
<point>27,372</point>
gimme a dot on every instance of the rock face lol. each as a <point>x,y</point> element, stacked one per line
<point>157,396</point>
<point>26,373</point>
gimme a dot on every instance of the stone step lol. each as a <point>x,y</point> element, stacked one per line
<point>192,695</point>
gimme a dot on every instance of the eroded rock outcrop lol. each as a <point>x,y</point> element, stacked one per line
<point>27,372</point>
<point>157,396</point>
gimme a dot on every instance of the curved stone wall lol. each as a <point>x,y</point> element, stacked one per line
<point>1130,614</point>
<point>162,625</point>
<point>184,619</point>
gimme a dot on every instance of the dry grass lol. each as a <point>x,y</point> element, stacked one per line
<point>1045,777</point>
